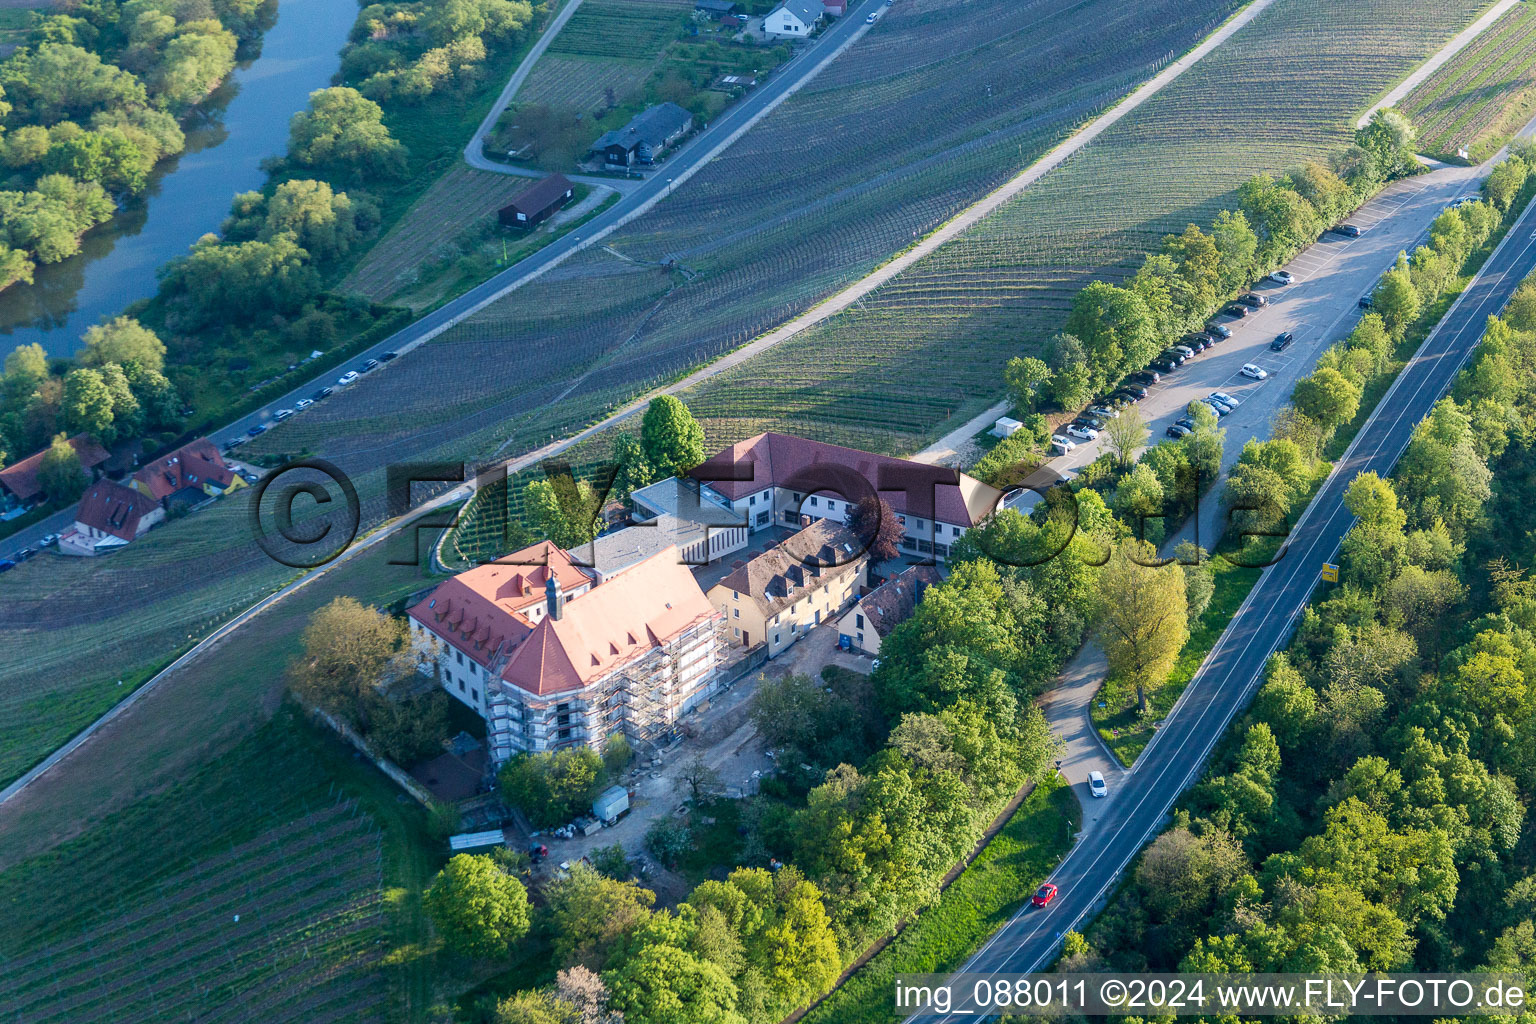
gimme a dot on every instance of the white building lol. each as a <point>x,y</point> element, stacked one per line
<point>794,19</point>
<point>790,480</point>
<point>551,656</point>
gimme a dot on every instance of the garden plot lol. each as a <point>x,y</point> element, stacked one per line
<point>1479,98</point>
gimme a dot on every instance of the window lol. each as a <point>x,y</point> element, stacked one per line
<point>475,694</point>
<point>460,656</point>
<point>858,620</point>
<point>797,496</point>
<point>735,596</point>
<point>814,501</point>
<point>775,638</point>
<point>461,686</point>
<point>735,613</point>
<point>752,500</point>
<point>736,631</point>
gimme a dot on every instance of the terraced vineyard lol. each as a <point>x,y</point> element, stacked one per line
<point>1484,94</point>
<point>926,351</point>
<point>243,906</point>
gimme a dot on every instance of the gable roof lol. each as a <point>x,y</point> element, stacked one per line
<point>652,126</point>
<point>21,479</point>
<point>114,509</point>
<point>893,601</point>
<point>806,10</point>
<point>786,572</point>
<point>541,195</point>
<point>191,465</point>
<point>612,624</point>
<point>481,612</point>
<point>777,459</point>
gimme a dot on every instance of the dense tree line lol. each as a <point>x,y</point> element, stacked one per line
<point>1273,477</point>
<point>408,51</point>
<point>1113,329</point>
<point>91,104</point>
<point>1368,812</point>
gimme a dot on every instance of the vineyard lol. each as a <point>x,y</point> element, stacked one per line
<point>578,84</point>
<point>626,29</point>
<point>1482,96</point>
<point>253,891</point>
<point>925,352</point>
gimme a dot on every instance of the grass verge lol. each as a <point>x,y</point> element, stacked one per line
<point>978,902</point>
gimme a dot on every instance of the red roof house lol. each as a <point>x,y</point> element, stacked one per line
<point>110,516</point>
<point>20,481</point>
<point>191,472</point>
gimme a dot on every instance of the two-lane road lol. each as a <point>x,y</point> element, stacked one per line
<point>1139,806</point>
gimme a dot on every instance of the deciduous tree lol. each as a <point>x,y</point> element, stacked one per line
<point>1142,617</point>
<point>478,909</point>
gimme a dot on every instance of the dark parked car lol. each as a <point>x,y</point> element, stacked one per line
<point>6,565</point>
<point>1366,302</point>
<point>324,393</point>
<point>1186,422</point>
<point>1282,341</point>
<point>1135,391</point>
<point>24,554</point>
<point>1147,377</point>
<point>1348,230</point>
<point>259,429</point>
<point>369,365</point>
<point>1253,299</point>
<point>1175,357</point>
<point>1088,421</point>
<point>1221,331</point>
<point>1164,365</point>
<point>1176,431</point>
<point>387,356</point>
<point>1237,309</point>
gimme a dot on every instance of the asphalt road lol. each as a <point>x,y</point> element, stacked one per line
<point>1138,807</point>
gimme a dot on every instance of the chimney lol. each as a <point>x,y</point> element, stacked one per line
<point>554,600</point>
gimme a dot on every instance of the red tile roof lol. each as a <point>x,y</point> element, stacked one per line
<point>785,573</point>
<point>114,509</point>
<point>910,488</point>
<point>480,612</point>
<point>611,625</point>
<point>21,479</point>
<point>191,465</point>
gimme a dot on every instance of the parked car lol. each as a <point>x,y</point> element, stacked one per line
<point>1063,445</point>
<point>1176,431</point>
<point>302,404</point>
<point>1221,331</point>
<point>1096,785</point>
<point>282,414</point>
<point>1044,895</point>
<point>1254,372</point>
<point>1082,431</point>
<point>48,541</point>
<point>1253,299</point>
<point>1135,392</point>
<point>871,19</point>
<point>387,356</point>
<point>6,565</point>
<point>259,429</point>
<point>24,554</point>
<point>324,393</point>
<point>347,378</point>
<point>1162,365</point>
<point>1366,302</point>
<point>1348,230</point>
<point>1104,412</point>
<point>371,364</point>
<point>1147,377</point>
<point>233,443</point>
<point>1185,351</point>
<point>1091,422</point>
<point>1222,396</point>
<point>1282,341</point>
<point>1237,309</point>
<point>1186,422</point>
<point>1282,277</point>
<point>1205,339</point>
<point>1216,407</point>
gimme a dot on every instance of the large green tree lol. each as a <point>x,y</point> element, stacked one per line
<point>477,908</point>
<point>672,438</point>
<point>1142,617</point>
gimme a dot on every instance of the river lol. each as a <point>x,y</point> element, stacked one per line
<point>246,121</point>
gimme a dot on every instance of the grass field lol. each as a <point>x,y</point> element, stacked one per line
<point>630,30</point>
<point>581,83</point>
<point>220,892</point>
<point>1483,95</point>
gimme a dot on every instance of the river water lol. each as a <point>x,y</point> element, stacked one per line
<point>246,121</point>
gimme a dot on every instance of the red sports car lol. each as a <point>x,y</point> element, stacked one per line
<point>1044,895</point>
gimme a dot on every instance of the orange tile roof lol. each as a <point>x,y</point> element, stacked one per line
<point>191,465</point>
<point>480,612</point>
<point>611,625</point>
<point>114,509</point>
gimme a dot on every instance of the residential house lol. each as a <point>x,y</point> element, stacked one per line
<point>646,136</point>
<point>874,615</point>
<point>794,19</point>
<point>791,588</point>
<point>716,9</point>
<point>786,480</point>
<point>190,474</point>
<point>538,202</point>
<point>714,530</point>
<point>19,483</point>
<point>110,517</point>
<point>552,657</point>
